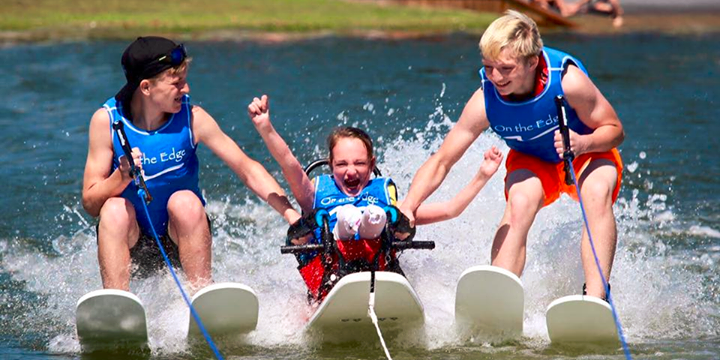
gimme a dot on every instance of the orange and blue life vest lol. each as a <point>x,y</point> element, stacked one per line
<point>529,126</point>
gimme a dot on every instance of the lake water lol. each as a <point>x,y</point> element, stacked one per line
<point>666,282</point>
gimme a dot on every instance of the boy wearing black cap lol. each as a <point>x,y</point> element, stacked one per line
<point>164,129</point>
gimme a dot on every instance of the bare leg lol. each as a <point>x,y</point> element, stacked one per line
<point>543,3</point>
<point>597,184</point>
<point>617,13</point>
<point>602,7</point>
<point>562,7</point>
<point>188,227</point>
<point>373,222</point>
<point>525,199</point>
<point>574,8</point>
<point>118,232</point>
<point>612,8</point>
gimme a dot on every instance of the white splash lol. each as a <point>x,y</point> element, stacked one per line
<point>658,293</point>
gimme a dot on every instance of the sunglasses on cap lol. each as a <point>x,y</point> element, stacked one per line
<point>174,58</point>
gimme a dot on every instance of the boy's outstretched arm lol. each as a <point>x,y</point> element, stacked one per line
<point>250,172</point>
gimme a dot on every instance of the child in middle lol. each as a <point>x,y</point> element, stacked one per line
<point>354,200</point>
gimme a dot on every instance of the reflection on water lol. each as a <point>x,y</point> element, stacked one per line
<point>407,94</point>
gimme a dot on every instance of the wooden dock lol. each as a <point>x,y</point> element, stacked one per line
<point>543,17</point>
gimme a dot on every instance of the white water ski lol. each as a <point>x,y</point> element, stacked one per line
<point>581,319</point>
<point>343,315</point>
<point>225,309</point>
<point>489,302</point>
<point>108,319</point>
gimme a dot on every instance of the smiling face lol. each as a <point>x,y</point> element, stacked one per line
<point>511,75</point>
<point>351,165</point>
<point>168,88</point>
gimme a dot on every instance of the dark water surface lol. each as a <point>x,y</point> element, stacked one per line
<point>666,281</point>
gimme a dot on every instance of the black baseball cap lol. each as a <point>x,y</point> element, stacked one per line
<point>146,57</point>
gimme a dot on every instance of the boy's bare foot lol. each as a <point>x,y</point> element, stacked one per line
<point>603,7</point>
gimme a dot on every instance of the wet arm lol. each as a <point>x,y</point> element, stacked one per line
<point>250,172</point>
<point>595,111</point>
<point>431,174</point>
<point>436,212</point>
<point>300,184</point>
<point>99,183</point>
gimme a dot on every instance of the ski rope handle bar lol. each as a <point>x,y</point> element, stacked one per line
<point>568,155</point>
<point>398,244</point>
<point>136,173</point>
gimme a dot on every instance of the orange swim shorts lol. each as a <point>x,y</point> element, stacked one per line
<point>552,176</point>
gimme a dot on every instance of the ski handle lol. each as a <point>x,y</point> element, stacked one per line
<point>568,155</point>
<point>119,129</point>
<point>394,216</point>
<point>328,241</point>
<point>399,245</point>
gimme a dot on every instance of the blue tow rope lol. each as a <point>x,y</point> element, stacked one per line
<point>194,313</point>
<point>570,169</point>
<point>621,335</point>
<point>145,199</point>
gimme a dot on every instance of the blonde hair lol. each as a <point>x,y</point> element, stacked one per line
<point>514,31</point>
<point>172,71</point>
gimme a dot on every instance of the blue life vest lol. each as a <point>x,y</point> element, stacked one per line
<point>329,197</point>
<point>529,126</point>
<point>169,162</point>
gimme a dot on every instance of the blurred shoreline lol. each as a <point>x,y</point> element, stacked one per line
<point>670,6</point>
<point>669,17</point>
<point>657,16</point>
<point>692,17</point>
<point>684,22</point>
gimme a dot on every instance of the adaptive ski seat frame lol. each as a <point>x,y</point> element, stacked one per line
<point>333,262</point>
